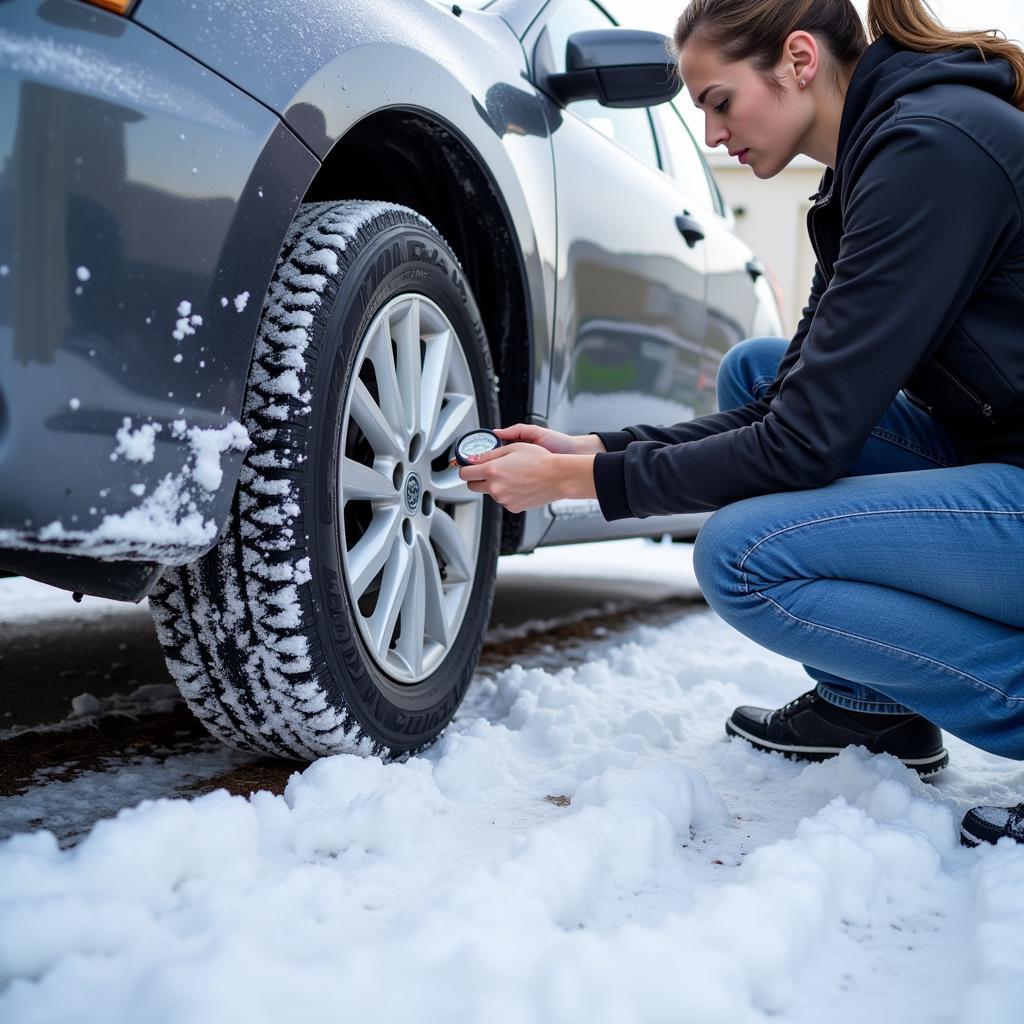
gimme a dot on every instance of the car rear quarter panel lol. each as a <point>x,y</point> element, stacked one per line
<point>132,179</point>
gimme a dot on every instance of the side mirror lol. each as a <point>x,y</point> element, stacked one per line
<point>618,67</point>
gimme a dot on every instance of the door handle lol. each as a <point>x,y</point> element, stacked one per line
<point>755,268</point>
<point>690,228</point>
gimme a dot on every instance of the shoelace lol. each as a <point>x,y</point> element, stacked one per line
<point>804,698</point>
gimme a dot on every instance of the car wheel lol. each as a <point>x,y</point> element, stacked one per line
<point>345,605</point>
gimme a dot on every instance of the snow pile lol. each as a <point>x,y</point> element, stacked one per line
<point>187,321</point>
<point>581,845</point>
<point>169,517</point>
<point>207,448</point>
<point>998,994</point>
<point>240,301</point>
<point>136,445</point>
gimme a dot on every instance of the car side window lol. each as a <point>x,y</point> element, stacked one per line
<point>629,128</point>
<point>687,165</point>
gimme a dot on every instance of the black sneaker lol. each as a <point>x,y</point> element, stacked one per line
<point>811,729</point>
<point>990,824</point>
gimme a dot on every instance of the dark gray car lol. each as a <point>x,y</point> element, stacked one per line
<point>260,265</point>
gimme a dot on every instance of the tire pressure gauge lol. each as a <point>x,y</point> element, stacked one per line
<point>476,442</point>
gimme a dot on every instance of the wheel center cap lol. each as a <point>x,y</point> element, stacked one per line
<point>412,493</point>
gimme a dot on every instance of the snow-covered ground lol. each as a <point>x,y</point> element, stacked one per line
<point>583,844</point>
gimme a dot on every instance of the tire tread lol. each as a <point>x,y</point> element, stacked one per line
<point>231,624</point>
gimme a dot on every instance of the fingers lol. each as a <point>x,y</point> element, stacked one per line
<point>492,488</point>
<point>519,432</point>
<point>498,453</point>
<point>477,470</point>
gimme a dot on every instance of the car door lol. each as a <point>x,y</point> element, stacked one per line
<point>731,271</point>
<point>630,295</point>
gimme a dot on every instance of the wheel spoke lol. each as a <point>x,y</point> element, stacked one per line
<point>359,482</point>
<point>406,333</point>
<point>459,416</point>
<point>446,535</point>
<point>435,625</point>
<point>393,586</point>
<point>382,356</point>
<point>370,552</point>
<point>436,363</point>
<point>410,640</point>
<point>373,423</point>
<point>449,486</point>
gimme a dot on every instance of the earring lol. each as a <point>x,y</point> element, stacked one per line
<point>802,83</point>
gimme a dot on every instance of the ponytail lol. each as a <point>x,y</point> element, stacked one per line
<point>756,30</point>
<point>913,25</point>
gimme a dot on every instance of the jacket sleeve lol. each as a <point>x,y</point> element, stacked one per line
<point>729,419</point>
<point>927,214</point>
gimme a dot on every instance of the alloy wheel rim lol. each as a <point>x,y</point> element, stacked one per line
<point>409,526</point>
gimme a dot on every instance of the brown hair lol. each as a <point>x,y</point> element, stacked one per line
<point>756,30</point>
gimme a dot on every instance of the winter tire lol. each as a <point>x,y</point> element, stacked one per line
<point>345,605</point>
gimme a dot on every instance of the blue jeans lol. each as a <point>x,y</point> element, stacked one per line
<point>899,586</point>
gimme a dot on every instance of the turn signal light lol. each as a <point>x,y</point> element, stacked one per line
<point>117,6</point>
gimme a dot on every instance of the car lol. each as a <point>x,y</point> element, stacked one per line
<point>259,268</point>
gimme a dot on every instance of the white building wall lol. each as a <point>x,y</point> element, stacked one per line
<point>771,217</point>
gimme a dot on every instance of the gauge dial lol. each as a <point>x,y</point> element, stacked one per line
<point>476,442</point>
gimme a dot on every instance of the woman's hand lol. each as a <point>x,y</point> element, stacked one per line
<point>551,440</point>
<point>520,475</point>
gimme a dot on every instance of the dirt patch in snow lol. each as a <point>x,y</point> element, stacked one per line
<point>110,743</point>
<point>60,755</point>
<point>265,774</point>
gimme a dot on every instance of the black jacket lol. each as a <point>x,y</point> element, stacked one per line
<point>919,285</point>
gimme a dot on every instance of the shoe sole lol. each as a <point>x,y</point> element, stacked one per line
<point>966,839</point>
<point>924,766</point>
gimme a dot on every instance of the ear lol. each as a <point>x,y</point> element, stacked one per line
<point>801,57</point>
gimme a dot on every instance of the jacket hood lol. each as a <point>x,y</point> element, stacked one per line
<point>886,71</point>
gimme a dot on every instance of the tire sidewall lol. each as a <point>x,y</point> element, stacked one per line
<point>400,259</point>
